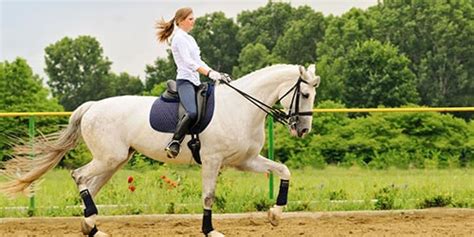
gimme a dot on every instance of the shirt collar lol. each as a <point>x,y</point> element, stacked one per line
<point>180,31</point>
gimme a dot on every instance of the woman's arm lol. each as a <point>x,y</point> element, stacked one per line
<point>204,71</point>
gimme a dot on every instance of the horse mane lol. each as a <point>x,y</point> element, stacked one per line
<point>248,78</point>
<point>268,68</point>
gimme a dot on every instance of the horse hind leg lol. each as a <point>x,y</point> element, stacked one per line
<point>210,171</point>
<point>90,179</point>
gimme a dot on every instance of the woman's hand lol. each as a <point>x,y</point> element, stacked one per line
<point>215,76</point>
<point>218,76</point>
<point>226,77</point>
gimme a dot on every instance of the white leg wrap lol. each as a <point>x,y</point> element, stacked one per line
<point>274,214</point>
<point>90,221</point>
<point>88,224</point>
<point>215,233</point>
<point>101,234</point>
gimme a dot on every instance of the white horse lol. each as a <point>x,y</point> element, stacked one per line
<point>114,128</point>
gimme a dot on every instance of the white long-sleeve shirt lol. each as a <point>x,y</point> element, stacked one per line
<point>187,56</point>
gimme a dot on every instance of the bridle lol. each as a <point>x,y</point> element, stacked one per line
<point>292,117</point>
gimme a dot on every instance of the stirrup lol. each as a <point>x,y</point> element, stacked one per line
<point>172,150</point>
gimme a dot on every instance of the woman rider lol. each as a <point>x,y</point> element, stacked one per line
<point>186,54</point>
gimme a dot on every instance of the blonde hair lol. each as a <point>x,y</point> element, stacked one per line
<point>165,29</point>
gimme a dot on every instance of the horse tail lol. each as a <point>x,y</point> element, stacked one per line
<point>22,170</point>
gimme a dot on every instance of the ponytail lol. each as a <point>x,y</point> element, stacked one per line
<point>164,29</point>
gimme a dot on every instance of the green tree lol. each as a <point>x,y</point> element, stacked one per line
<point>298,44</point>
<point>265,25</point>
<point>252,57</point>
<point>78,71</point>
<point>161,71</point>
<point>342,34</point>
<point>375,74</point>
<point>22,91</point>
<point>125,84</point>
<point>216,37</point>
<point>438,38</point>
<point>157,90</point>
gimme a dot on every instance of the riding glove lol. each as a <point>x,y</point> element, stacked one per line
<point>215,76</point>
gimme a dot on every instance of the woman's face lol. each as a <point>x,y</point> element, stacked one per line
<point>188,23</point>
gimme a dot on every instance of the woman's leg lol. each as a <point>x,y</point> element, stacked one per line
<point>187,95</point>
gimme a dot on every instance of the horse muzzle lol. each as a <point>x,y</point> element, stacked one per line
<point>302,132</point>
<point>298,132</point>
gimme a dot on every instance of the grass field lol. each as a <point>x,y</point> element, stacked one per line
<point>310,190</point>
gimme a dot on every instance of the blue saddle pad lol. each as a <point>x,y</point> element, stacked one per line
<point>164,114</point>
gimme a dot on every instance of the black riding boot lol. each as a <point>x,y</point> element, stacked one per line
<point>182,127</point>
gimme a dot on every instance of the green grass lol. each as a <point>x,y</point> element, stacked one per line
<point>310,190</point>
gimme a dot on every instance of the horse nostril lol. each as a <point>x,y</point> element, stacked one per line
<point>305,130</point>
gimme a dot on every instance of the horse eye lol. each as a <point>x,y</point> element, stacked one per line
<point>305,95</point>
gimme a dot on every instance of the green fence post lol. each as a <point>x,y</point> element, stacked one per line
<point>31,131</point>
<point>270,154</point>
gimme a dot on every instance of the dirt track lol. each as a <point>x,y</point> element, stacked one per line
<point>433,222</point>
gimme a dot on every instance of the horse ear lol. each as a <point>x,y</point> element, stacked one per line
<point>302,70</point>
<point>312,69</point>
<point>317,81</point>
<point>312,72</point>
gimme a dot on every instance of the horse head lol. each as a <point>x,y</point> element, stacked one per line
<point>298,104</point>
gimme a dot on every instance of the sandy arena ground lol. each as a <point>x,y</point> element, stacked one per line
<point>431,222</point>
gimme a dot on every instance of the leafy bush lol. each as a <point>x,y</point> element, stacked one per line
<point>299,206</point>
<point>386,198</point>
<point>262,204</point>
<point>141,162</point>
<point>77,157</point>
<point>171,208</point>
<point>22,91</point>
<point>380,141</point>
<point>220,202</point>
<point>436,201</point>
<point>340,194</point>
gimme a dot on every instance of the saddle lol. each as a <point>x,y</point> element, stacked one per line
<point>167,109</point>
<point>171,94</point>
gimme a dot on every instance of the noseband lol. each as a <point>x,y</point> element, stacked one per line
<point>293,117</point>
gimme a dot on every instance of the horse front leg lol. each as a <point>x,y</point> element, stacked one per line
<point>210,171</point>
<point>261,164</point>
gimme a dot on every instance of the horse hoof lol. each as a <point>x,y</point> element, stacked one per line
<point>274,215</point>
<point>215,233</point>
<point>86,229</point>
<point>101,234</point>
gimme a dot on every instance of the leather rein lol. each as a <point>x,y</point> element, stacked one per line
<point>290,118</point>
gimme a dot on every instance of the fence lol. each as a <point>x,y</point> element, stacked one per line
<point>33,115</point>
<point>355,110</point>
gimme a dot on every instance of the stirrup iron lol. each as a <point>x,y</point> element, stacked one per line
<point>170,152</point>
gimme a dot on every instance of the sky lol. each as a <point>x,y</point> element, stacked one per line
<point>124,28</point>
